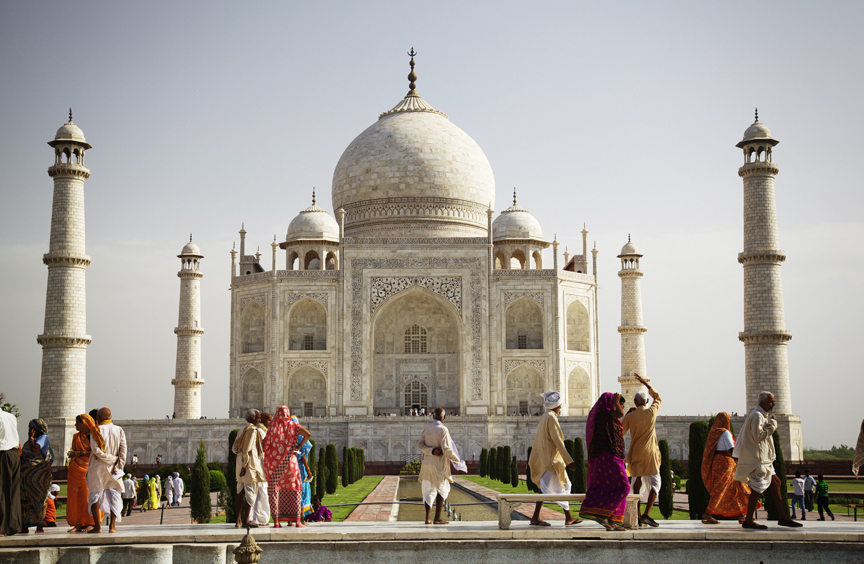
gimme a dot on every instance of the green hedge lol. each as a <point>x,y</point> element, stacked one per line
<point>580,474</point>
<point>332,463</point>
<point>484,456</point>
<point>514,473</point>
<point>492,463</point>
<point>667,490</point>
<point>321,476</point>
<point>199,489</point>
<point>217,481</point>
<point>697,495</point>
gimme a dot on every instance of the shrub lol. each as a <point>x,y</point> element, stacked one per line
<point>216,466</point>
<point>321,476</point>
<point>217,481</point>
<point>492,463</point>
<point>775,513</point>
<point>505,464</point>
<point>680,469</point>
<point>199,490</point>
<point>484,455</point>
<point>412,467</point>
<point>514,473</point>
<point>666,485</point>
<point>332,463</point>
<point>697,495</point>
<point>579,475</point>
<point>345,471</point>
<point>570,447</point>
<point>231,481</point>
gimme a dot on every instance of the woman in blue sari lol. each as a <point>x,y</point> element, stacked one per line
<point>305,474</point>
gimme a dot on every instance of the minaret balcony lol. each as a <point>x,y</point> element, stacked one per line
<point>188,331</point>
<point>758,168</point>
<point>69,169</point>
<point>63,340</point>
<point>632,329</point>
<point>66,258</point>
<point>762,255</point>
<point>748,337</point>
<point>184,383</point>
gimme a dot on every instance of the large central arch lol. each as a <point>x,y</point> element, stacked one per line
<point>416,345</point>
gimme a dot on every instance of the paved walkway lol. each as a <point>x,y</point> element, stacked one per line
<point>386,490</point>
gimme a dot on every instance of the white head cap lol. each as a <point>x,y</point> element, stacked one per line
<point>551,400</point>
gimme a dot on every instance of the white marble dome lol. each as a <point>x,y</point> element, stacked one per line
<point>190,249</point>
<point>629,249</point>
<point>516,223</point>
<point>414,173</point>
<point>756,131</point>
<point>70,132</point>
<point>313,223</point>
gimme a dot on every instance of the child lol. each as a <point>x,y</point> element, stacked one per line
<point>822,497</point>
<point>50,519</point>
<point>319,512</point>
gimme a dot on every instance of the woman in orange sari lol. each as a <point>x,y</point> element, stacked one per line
<point>728,496</point>
<point>77,511</point>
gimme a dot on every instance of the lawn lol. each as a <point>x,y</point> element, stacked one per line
<point>522,488</point>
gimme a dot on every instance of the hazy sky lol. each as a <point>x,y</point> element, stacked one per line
<point>621,115</point>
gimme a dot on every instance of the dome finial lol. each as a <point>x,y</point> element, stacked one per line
<point>70,115</point>
<point>313,195</point>
<point>190,237</point>
<point>514,195</point>
<point>757,116</point>
<point>412,76</point>
<point>628,237</point>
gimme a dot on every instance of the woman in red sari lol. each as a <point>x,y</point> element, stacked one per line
<point>728,496</point>
<point>77,511</point>
<point>284,486</point>
<point>608,486</point>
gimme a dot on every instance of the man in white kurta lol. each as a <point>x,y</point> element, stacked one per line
<point>437,448</point>
<point>105,472</point>
<point>177,487</point>
<point>251,481</point>
<point>755,453</point>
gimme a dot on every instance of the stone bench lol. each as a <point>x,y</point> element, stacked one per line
<point>508,502</point>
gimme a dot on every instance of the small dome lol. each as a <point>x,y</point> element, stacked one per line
<point>757,131</point>
<point>629,249</point>
<point>190,249</point>
<point>70,132</point>
<point>516,223</point>
<point>313,223</point>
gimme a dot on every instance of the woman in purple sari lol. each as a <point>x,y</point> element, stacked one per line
<point>608,486</point>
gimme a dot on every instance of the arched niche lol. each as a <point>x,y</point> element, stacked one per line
<point>438,368</point>
<point>312,261</point>
<point>306,392</point>
<point>524,325</point>
<point>578,391</point>
<point>524,388</point>
<point>578,327</point>
<point>307,326</point>
<point>517,260</point>
<point>538,260</point>
<point>500,261</point>
<point>332,262</point>
<point>251,394</point>
<point>252,329</point>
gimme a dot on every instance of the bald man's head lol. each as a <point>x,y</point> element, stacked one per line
<point>103,415</point>
<point>438,414</point>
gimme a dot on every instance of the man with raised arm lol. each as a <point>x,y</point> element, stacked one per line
<point>755,453</point>
<point>643,458</point>
<point>105,471</point>
<point>437,448</point>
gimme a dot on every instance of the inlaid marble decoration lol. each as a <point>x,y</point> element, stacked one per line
<point>260,300</point>
<point>448,287</point>
<point>511,365</point>
<point>291,299</point>
<point>510,297</point>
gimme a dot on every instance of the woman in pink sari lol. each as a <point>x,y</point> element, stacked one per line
<point>608,486</point>
<point>284,486</point>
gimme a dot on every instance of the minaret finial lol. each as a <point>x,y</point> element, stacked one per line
<point>313,195</point>
<point>757,116</point>
<point>412,76</point>
<point>628,237</point>
<point>514,195</point>
<point>70,115</point>
<point>190,237</point>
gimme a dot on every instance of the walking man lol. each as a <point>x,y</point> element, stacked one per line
<point>809,484</point>
<point>643,458</point>
<point>798,496</point>
<point>822,498</point>
<point>178,487</point>
<point>105,472</point>
<point>755,453</point>
<point>437,448</point>
<point>128,495</point>
<point>251,482</point>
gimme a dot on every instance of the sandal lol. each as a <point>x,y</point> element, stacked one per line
<point>606,525</point>
<point>539,524</point>
<point>617,528</point>
<point>576,522</point>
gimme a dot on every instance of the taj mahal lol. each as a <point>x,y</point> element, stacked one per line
<point>413,294</point>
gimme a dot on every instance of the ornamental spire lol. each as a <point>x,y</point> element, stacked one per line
<point>514,195</point>
<point>70,115</point>
<point>757,116</point>
<point>412,76</point>
<point>313,195</point>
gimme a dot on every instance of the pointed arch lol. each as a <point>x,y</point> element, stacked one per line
<point>578,327</point>
<point>524,325</point>
<point>252,329</point>
<point>251,391</point>
<point>307,326</point>
<point>524,386</point>
<point>305,391</point>
<point>579,391</point>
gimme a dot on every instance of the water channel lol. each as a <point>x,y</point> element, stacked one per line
<point>409,490</point>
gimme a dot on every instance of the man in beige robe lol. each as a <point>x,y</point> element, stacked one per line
<point>105,472</point>
<point>755,453</point>
<point>437,448</point>
<point>643,458</point>
<point>251,482</point>
<point>550,460</point>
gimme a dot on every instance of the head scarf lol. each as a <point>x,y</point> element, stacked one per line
<point>551,400</point>
<point>93,430</point>
<point>721,424</point>
<point>281,439</point>
<point>146,477</point>
<point>40,425</point>
<point>604,432</point>
<point>55,488</point>
<point>858,460</point>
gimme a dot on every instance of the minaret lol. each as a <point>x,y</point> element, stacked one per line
<point>187,374</point>
<point>631,329</point>
<point>65,339</point>
<point>765,335</point>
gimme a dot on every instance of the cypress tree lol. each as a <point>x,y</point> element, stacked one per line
<point>231,481</point>
<point>199,490</point>
<point>345,471</point>
<point>362,463</point>
<point>332,463</point>
<point>697,495</point>
<point>514,473</point>
<point>528,483</point>
<point>492,463</point>
<point>321,476</point>
<point>313,462</point>
<point>355,464</point>
<point>571,450</point>
<point>580,473</point>
<point>484,454</point>
<point>503,465</point>
<point>667,487</point>
<point>505,474</point>
<point>775,513</point>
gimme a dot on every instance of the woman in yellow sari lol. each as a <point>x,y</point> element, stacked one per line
<point>77,510</point>
<point>153,493</point>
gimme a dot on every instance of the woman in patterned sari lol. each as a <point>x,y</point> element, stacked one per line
<point>284,486</point>
<point>36,458</point>
<point>304,447</point>
<point>608,486</point>
<point>728,496</point>
<point>77,510</point>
